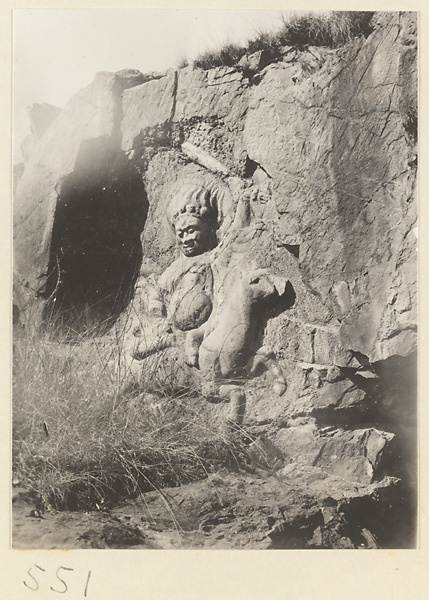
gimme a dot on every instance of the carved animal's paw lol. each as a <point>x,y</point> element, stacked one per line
<point>280,387</point>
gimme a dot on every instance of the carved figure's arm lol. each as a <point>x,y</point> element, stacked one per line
<point>157,301</point>
<point>242,214</point>
<point>159,334</point>
<point>147,347</point>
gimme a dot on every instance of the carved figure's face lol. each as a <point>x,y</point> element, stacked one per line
<point>192,234</point>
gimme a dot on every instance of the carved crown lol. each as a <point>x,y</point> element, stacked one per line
<point>190,209</point>
<point>194,201</point>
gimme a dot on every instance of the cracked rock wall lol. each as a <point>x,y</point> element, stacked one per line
<point>329,136</point>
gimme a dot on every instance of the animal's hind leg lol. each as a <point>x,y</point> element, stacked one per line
<point>238,408</point>
<point>266,358</point>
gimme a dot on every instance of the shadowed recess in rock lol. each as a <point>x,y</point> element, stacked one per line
<point>95,249</point>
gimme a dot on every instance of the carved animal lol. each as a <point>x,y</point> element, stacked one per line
<point>224,347</point>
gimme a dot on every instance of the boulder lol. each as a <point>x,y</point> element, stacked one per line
<point>75,156</point>
<point>354,455</point>
<point>146,106</point>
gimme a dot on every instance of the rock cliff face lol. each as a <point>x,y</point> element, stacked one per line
<point>329,138</point>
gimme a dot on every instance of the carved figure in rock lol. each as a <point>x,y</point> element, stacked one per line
<point>186,286</point>
<point>183,297</point>
<point>208,303</point>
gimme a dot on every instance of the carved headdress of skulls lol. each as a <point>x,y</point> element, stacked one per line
<point>192,200</point>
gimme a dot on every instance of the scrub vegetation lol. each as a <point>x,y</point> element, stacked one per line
<point>331,30</point>
<point>81,442</point>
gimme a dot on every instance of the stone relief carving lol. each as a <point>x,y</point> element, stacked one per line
<point>210,300</point>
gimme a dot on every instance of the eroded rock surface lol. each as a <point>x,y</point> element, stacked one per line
<point>300,508</point>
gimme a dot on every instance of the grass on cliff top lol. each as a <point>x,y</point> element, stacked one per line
<point>330,30</point>
<point>78,443</point>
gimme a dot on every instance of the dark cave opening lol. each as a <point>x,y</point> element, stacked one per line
<point>95,248</point>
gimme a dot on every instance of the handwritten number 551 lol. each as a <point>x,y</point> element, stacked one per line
<point>60,586</point>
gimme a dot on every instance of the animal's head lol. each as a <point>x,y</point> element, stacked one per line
<point>258,284</point>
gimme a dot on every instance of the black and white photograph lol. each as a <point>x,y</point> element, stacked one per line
<point>214,280</point>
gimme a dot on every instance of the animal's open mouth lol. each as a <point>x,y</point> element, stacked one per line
<point>279,285</point>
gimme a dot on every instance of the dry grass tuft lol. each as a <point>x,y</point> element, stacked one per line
<point>228,56</point>
<point>79,442</point>
<point>331,30</point>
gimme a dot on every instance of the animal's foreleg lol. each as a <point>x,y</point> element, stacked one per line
<point>266,358</point>
<point>237,398</point>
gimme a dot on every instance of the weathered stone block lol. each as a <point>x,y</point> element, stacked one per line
<point>146,105</point>
<point>353,455</point>
<point>84,136</point>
